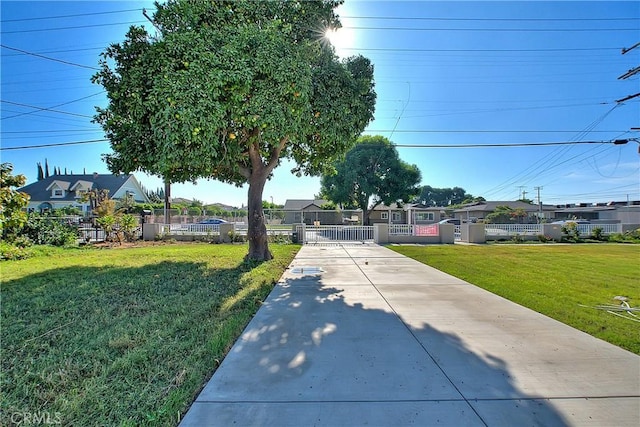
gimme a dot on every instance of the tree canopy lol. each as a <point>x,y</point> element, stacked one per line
<point>431,196</point>
<point>226,89</point>
<point>12,201</point>
<point>370,174</point>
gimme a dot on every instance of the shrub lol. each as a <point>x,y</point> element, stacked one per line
<point>46,230</point>
<point>517,238</point>
<point>544,239</point>
<point>571,231</point>
<point>597,233</point>
<point>632,236</point>
<point>11,252</point>
<point>128,225</point>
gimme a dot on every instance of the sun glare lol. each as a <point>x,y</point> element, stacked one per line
<point>341,39</point>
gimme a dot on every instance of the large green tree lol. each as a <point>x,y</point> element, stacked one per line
<point>371,173</point>
<point>431,196</point>
<point>12,201</point>
<point>226,89</point>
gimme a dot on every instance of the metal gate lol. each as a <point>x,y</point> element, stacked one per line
<point>335,233</point>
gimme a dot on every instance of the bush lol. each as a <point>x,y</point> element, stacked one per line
<point>571,232</point>
<point>46,230</point>
<point>544,239</point>
<point>11,252</point>
<point>632,236</point>
<point>597,233</point>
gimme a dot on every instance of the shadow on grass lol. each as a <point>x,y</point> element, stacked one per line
<point>319,355</point>
<point>120,346</point>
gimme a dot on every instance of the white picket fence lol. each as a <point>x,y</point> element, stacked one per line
<point>335,233</point>
<point>497,230</point>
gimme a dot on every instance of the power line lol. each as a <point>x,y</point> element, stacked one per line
<point>42,109</point>
<point>520,144</point>
<point>587,49</point>
<point>70,16</point>
<point>518,30</point>
<point>485,131</point>
<point>526,144</point>
<point>49,58</point>
<point>405,18</point>
<point>59,144</point>
<point>77,27</point>
<point>50,108</point>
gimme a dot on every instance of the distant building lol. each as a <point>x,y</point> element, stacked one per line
<point>622,212</point>
<point>408,213</point>
<point>59,191</point>
<point>477,211</point>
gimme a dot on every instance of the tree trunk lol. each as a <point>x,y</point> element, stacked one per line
<point>257,233</point>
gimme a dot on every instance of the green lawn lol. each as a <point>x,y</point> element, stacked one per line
<point>555,280</point>
<point>124,336</point>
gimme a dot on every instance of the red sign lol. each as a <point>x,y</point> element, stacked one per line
<point>426,230</point>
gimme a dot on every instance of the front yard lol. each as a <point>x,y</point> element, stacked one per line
<point>123,336</point>
<point>564,282</point>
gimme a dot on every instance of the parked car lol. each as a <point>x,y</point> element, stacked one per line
<point>566,221</point>
<point>215,221</point>
<point>206,225</point>
<point>450,221</point>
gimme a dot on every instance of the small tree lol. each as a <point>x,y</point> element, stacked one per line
<point>226,89</point>
<point>370,174</point>
<point>12,201</point>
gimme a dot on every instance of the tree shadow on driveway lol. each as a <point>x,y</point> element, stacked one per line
<point>318,355</point>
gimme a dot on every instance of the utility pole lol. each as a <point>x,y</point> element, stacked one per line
<point>539,203</point>
<point>521,192</point>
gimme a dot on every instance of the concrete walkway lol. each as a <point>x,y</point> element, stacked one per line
<point>360,335</point>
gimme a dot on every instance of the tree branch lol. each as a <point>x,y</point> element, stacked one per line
<point>275,154</point>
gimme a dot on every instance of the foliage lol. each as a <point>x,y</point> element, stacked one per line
<point>571,231</point>
<point>505,214</point>
<point>329,206</point>
<point>49,230</point>
<point>10,251</point>
<point>430,196</point>
<point>371,170</point>
<point>229,88</point>
<point>12,201</point>
<point>632,236</point>
<point>596,232</point>
<point>124,337</point>
<point>67,210</point>
<point>538,279</point>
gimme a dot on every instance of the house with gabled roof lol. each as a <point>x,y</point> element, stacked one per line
<point>59,191</point>
<point>406,213</point>
<point>310,211</point>
<point>477,211</point>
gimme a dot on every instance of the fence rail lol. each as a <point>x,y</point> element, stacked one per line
<point>494,230</point>
<point>512,229</point>
<point>335,233</point>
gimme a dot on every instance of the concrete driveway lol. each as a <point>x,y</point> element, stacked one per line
<point>360,335</point>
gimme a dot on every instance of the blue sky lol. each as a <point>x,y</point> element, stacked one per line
<point>447,73</point>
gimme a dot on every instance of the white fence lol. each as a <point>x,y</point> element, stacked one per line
<point>504,230</point>
<point>335,233</point>
<point>414,230</point>
<point>192,229</point>
<point>401,230</point>
<point>587,229</point>
<point>512,229</point>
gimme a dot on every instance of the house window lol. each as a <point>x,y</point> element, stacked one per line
<point>424,216</point>
<point>57,192</point>
<point>80,193</point>
<point>384,215</point>
<point>396,216</point>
